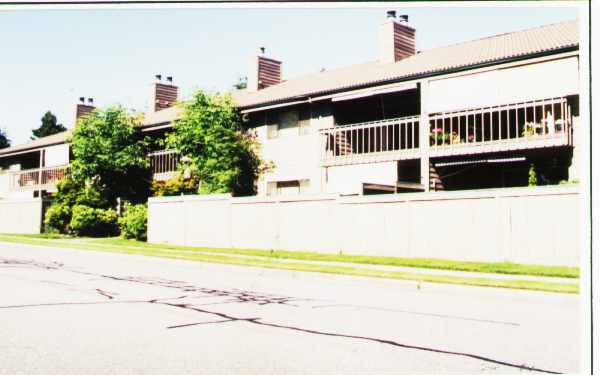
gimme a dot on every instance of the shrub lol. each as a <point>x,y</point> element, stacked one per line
<point>176,186</point>
<point>134,222</point>
<point>569,182</point>
<point>533,180</point>
<point>71,193</point>
<point>95,222</point>
<point>57,218</point>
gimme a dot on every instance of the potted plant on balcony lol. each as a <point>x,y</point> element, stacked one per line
<point>455,139</point>
<point>438,137</point>
<point>529,129</point>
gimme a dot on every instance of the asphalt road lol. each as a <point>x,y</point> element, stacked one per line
<point>77,312</point>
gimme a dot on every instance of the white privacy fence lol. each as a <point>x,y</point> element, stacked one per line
<point>22,215</point>
<point>526,225</point>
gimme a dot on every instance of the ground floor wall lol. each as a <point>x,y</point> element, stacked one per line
<point>527,225</point>
<point>21,215</point>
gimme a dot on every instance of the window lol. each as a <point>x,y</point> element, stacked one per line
<point>287,188</point>
<point>288,123</point>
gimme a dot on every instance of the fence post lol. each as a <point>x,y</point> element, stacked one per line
<point>424,136</point>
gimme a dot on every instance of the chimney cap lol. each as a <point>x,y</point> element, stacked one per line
<point>158,76</point>
<point>262,50</point>
<point>82,99</point>
<point>403,17</point>
<point>90,101</point>
<point>390,14</point>
<point>170,79</point>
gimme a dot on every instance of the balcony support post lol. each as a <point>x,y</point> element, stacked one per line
<point>424,130</point>
<point>39,178</point>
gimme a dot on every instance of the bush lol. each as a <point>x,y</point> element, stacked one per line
<point>71,193</point>
<point>176,186</point>
<point>533,180</point>
<point>95,222</point>
<point>134,222</point>
<point>57,218</point>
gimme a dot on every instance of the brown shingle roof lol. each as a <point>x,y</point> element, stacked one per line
<point>463,55</point>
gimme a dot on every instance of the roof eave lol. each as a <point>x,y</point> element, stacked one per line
<point>27,150</point>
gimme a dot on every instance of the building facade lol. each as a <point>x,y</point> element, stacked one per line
<point>478,114</point>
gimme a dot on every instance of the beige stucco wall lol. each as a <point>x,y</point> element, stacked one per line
<point>294,156</point>
<point>505,85</point>
<point>21,215</point>
<point>348,179</point>
<point>56,155</point>
<point>526,225</point>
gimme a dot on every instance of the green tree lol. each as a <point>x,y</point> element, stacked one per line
<point>49,126</point>
<point>110,154</point>
<point>222,153</point>
<point>4,141</point>
<point>108,162</point>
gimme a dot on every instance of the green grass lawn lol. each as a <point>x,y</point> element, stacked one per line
<point>272,259</point>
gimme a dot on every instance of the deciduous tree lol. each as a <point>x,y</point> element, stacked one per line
<point>109,152</point>
<point>222,152</point>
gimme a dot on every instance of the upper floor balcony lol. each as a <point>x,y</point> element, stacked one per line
<point>36,179</point>
<point>164,164</point>
<point>517,126</point>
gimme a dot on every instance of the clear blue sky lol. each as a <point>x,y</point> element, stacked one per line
<point>51,57</point>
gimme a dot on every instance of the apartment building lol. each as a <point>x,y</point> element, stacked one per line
<point>476,114</point>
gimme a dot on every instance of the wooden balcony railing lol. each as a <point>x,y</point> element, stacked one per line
<point>37,179</point>
<point>348,144</point>
<point>533,124</point>
<point>164,164</point>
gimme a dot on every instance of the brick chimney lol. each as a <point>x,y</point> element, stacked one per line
<point>84,109</point>
<point>396,38</point>
<point>164,94</point>
<point>264,72</point>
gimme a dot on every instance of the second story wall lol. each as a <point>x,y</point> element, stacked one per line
<point>504,85</point>
<point>289,138</point>
<point>56,155</point>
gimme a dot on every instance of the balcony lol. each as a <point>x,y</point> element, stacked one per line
<point>528,125</point>
<point>164,164</point>
<point>518,126</point>
<point>377,141</point>
<point>37,179</point>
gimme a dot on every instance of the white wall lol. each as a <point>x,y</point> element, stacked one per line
<point>348,179</point>
<point>543,80</point>
<point>57,155</point>
<point>21,215</point>
<point>295,156</point>
<point>526,225</point>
